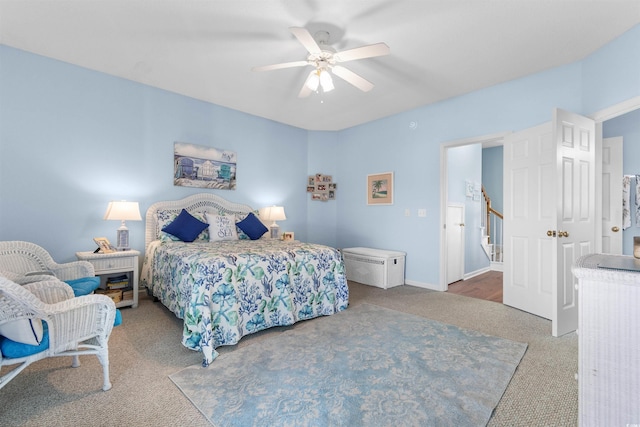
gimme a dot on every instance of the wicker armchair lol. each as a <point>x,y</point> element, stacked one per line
<point>21,258</point>
<point>76,326</point>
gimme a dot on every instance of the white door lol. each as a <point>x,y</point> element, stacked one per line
<point>529,212</point>
<point>455,242</point>
<point>612,196</point>
<point>575,139</point>
<point>549,216</point>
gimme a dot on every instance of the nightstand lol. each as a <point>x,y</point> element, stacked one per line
<point>118,272</point>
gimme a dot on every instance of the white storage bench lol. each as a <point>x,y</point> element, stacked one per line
<point>374,267</point>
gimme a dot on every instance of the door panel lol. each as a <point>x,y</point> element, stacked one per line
<point>455,242</point>
<point>530,210</point>
<point>575,136</point>
<point>612,196</point>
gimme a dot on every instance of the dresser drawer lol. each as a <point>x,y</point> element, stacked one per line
<point>107,264</point>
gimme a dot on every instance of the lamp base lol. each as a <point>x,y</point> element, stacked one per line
<point>122,239</point>
<point>275,231</point>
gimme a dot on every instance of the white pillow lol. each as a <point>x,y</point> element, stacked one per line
<point>25,331</point>
<point>221,227</point>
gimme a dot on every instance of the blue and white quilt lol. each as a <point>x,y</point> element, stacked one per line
<point>228,289</point>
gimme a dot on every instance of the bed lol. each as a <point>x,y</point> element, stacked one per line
<point>226,289</point>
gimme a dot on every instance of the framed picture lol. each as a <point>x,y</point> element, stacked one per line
<point>104,246</point>
<point>321,187</point>
<point>203,167</point>
<point>287,235</point>
<point>380,189</point>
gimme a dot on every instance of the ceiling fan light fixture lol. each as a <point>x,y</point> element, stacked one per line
<point>313,81</point>
<point>326,81</point>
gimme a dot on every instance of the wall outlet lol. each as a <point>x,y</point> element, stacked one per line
<point>422,212</point>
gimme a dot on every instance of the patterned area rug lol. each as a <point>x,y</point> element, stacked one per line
<point>367,366</point>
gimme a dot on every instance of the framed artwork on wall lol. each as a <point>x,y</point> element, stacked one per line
<point>380,189</point>
<point>203,167</point>
<point>321,187</point>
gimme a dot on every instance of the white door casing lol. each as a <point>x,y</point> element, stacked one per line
<point>529,212</point>
<point>612,196</point>
<point>455,242</point>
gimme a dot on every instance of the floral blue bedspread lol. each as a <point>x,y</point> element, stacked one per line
<point>228,289</point>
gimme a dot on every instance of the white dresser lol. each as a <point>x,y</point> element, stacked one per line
<point>609,340</point>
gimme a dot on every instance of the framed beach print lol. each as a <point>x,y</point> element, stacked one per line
<point>380,189</point>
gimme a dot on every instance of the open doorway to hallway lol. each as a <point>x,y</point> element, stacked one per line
<point>486,286</point>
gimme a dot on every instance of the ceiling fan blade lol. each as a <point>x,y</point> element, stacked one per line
<point>352,78</point>
<point>369,51</point>
<point>304,37</point>
<point>280,66</point>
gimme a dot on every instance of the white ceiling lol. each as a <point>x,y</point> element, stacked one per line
<point>205,49</point>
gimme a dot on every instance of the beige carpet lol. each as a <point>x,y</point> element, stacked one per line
<point>146,349</point>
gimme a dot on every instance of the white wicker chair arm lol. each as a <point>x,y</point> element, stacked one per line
<point>73,270</point>
<point>79,319</point>
<point>50,291</point>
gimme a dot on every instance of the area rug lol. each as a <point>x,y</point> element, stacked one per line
<point>365,366</point>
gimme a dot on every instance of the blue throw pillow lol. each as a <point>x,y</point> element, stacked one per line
<point>84,286</point>
<point>185,227</point>
<point>252,226</point>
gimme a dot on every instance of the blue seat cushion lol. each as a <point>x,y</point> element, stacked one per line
<point>84,285</point>
<point>13,350</point>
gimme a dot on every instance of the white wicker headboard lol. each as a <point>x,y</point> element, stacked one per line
<point>195,203</point>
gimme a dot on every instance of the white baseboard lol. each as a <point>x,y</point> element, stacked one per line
<point>476,273</point>
<point>497,266</point>
<point>429,286</point>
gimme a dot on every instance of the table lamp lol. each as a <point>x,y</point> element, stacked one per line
<point>122,211</point>
<point>273,213</point>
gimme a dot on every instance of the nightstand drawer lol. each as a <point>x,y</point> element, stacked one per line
<point>106,264</point>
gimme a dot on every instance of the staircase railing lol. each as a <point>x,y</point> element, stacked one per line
<point>492,223</point>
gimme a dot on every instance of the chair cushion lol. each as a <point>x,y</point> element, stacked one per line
<point>13,350</point>
<point>84,285</point>
<point>118,319</point>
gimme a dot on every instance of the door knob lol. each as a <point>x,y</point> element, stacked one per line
<point>462,224</point>
<point>615,229</point>
<point>563,234</point>
<point>551,233</point>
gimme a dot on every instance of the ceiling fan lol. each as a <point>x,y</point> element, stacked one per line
<point>324,59</point>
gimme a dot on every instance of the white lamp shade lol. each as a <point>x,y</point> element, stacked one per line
<point>123,211</point>
<point>273,213</point>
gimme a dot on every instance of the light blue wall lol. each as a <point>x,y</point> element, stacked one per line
<point>464,164</point>
<point>409,144</point>
<point>322,215</point>
<point>492,175</point>
<point>612,74</point>
<point>73,139</point>
<point>628,127</point>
